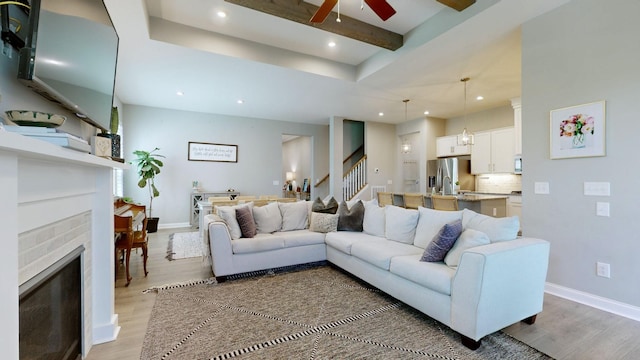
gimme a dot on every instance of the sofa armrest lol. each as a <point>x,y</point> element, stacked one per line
<point>219,246</point>
<point>497,285</point>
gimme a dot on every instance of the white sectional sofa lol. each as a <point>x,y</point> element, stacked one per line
<point>490,279</point>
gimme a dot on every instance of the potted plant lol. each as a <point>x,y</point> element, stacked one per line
<point>113,133</point>
<point>149,166</point>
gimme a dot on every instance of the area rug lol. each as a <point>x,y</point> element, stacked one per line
<point>184,245</point>
<point>317,313</point>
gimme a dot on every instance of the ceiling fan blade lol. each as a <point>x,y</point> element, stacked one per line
<point>381,8</point>
<point>457,4</point>
<point>323,11</point>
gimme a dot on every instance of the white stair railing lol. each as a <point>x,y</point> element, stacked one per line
<point>354,179</point>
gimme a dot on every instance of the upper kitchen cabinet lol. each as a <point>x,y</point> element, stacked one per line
<point>493,151</point>
<point>448,146</point>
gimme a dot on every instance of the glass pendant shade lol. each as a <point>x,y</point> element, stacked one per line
<point>466,138</point>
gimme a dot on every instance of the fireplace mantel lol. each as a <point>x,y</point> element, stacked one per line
<point>42,184</point>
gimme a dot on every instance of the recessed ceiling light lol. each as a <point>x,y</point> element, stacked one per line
<point>426,112</point>
<point>332,44</point>
<point>221,14</point>
<point>179,93</point>
<point>480,97</point>
<point>240,101</point>
<point>381,114</point>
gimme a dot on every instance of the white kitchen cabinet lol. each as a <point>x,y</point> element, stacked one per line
<point>448,146</point>
<point>514,207</point>
<point>493,152</point>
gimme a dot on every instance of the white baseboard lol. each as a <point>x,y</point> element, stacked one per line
<point>595,301</point>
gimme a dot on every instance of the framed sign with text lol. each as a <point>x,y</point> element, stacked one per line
<point>199,151</point>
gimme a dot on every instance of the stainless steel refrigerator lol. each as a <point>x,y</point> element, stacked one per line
<point>445,172</point>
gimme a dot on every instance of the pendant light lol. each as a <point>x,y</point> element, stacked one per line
<point>466,138</point>
<point>406,145</point>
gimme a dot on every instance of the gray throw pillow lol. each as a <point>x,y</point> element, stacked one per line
<point>442,242</point>
<point>350,219</point>
<point>331,207</point>
<point>244,216</point>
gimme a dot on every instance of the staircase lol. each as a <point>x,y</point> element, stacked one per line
<point>354,180</point>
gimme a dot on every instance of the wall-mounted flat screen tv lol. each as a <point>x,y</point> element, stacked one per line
<point>70,56</point>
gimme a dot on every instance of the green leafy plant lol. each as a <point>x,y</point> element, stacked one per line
<point>148,166</point>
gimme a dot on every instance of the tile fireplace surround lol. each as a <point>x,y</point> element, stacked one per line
<point>52,200</point>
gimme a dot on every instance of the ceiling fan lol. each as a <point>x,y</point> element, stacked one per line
<point>382,8</point>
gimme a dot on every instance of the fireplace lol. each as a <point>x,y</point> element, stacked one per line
<point>50,311</point>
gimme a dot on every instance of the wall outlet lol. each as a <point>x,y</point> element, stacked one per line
<point>602,208</point>
<point>603,269</point>
<point>276,182</point>
<point>389,182</point>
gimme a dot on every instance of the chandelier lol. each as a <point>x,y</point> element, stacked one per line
<point>466,138</point>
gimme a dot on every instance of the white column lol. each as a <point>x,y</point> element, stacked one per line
<point>336,153</point>
<point>105,321</point>
<point>9,326</point>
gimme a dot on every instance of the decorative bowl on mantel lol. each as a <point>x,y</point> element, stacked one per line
<point>35,118</point>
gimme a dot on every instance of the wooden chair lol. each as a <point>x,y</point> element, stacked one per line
<point>413,200</point>
<point>213,199</point>
<point>139,241</point>
<point>246,198</point>
<point>444,202</point>
<point>385,198</point>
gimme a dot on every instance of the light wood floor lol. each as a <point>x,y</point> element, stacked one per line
<point>564,330</point>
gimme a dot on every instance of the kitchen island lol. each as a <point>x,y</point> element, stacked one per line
<point>492,205</point>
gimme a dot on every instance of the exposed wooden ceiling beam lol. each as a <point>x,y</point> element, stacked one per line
<point>301,12</point>
<point>457,4</point>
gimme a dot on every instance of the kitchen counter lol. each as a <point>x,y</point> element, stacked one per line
<point>488,204</point>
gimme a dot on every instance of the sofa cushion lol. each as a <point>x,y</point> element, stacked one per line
<point>379,251</point>
<point>443,242</point>
<point>323,222</point>
<point>344,240</point>
<point>261,242</point>
<point>300,238</point>
<point>430,223</point>
<point>228,214</point>
<point>400,224</point>
<point>468,239</point>
<point>350,218</point>
<point>331,207</point>
<point>373,222</point>
<point>433,275</point>
<point>244,216</point>
<point>268,218</point>
<point>294,215</point>
<point>497,229</point>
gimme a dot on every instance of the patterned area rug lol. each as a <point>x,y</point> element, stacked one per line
<point>316,313</point>
<point>184,245</point>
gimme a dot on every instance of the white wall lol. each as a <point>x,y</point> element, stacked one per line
<point>585,51</point>
<point>259,155</point>
<point>483,120</point>
<point>381,149</point>
<point>296,156</point>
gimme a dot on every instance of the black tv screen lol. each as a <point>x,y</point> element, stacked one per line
<point>70,57</point>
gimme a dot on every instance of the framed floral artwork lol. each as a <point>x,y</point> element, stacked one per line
<point>578,131</point>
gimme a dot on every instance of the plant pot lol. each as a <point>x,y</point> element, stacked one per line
<point>152,224</point>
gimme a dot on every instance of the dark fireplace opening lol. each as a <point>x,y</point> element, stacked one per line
<point>51,311</point>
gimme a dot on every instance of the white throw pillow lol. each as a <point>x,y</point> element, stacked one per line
<point>294,215</point>
<point>497,229</point>
<point>268,218</point>
<point>228,214</point>
<point>468,239</point>
<point>323,223</point>
<point>400,223</point>
<point>430,223</point>
<point>373,223</point>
